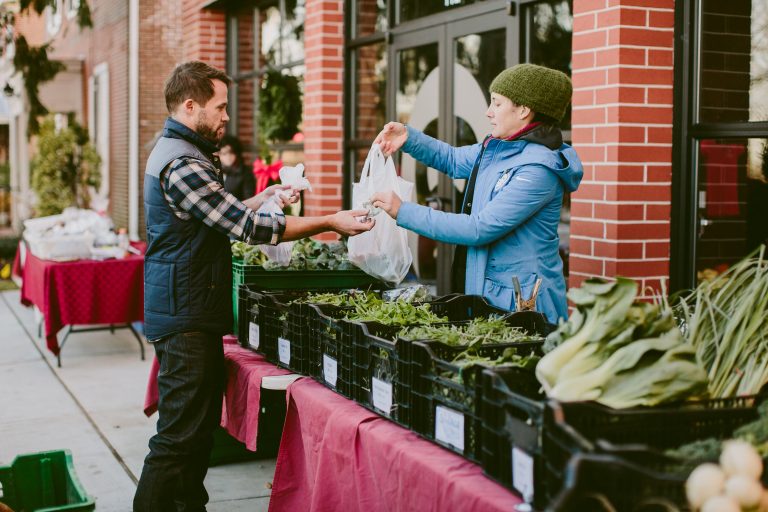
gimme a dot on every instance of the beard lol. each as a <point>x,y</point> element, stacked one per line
<point>206,130</point>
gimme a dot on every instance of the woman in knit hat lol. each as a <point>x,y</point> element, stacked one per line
<point>517,177</point>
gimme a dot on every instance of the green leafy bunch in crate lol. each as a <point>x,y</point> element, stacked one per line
<point>306,254</point>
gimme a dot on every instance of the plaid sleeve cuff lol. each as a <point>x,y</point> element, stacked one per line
<point>264,228</point>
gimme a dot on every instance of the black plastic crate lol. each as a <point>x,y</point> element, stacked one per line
<point>330,347</point>
<point>447,399</point>
<point>284,279</point>
<point>382,358</point>
<point>604,482</point>
<point>512,411</point>
<point>379,354</point>
<point>250,329</point>
<point>284,329</point>
<point>588,427</point>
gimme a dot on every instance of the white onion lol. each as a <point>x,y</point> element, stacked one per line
<point>705,482</point>
<point>721,504</point>
<point>741,458</point>
<point>746,491</point>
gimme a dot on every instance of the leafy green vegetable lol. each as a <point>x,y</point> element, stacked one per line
<point>726,320</point>
<point>306,254</point>
<point>619,351</point>
<point>394,313</point>
<point>478,331</point>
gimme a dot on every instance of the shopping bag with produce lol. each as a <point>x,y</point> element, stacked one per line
<point>383,251</point>
<point>294,178</point>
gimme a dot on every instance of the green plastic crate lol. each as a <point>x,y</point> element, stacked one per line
<point>43,482</point>
<point>294,280</point>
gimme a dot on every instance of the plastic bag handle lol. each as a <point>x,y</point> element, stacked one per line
<point>376,152</point>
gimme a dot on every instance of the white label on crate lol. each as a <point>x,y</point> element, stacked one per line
<point>522,473</point>
<point>329,370</point>
<point>253,335</point>
<point>382,395</point>
<point>449,427</point>
<point>284,350</point>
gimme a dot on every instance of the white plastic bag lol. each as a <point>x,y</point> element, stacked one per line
<point>294,178</point>
<point>383,251</point>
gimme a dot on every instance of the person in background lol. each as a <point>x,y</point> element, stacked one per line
<point>238,178</point>
<point>188,280</point>
<point>507,226</point>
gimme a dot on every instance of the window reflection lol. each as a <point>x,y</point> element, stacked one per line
<point>732,202</point>
<point>733,74</point>
<point>370,90</point>
<point>370,16</point>
<point>549,30</point>
<point>412,9</point>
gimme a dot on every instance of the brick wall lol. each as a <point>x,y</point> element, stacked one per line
<point>204,34</point>
<point>323,104</point>
<point>160,50</point>
<point>622,129</point>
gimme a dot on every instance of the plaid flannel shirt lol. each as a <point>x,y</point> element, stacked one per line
<point>193,189</point>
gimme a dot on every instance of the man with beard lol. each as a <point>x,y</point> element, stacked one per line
<point>188,280</point>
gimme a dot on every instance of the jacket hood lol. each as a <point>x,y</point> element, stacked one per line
<point>570,171</point>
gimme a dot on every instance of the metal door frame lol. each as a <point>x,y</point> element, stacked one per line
<point>444,32</point>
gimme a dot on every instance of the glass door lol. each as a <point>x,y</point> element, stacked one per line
<point>440,86</point>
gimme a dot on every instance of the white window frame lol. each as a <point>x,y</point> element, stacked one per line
<point>72,7</point>
<point>53,18</point>
<point>99,82</point>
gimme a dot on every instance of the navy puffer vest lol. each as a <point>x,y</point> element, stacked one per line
<point>187,267</point>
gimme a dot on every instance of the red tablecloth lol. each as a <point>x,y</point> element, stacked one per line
<point>240,412</point>
<point>335,455</point>
<point>83,292</point>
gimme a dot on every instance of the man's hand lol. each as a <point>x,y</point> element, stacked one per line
<point>391,138</point>
<point>387,201</point>
<point>347,223</point>
<point>281,193</point>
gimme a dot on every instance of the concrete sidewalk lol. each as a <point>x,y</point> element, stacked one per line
<point>93,406</point>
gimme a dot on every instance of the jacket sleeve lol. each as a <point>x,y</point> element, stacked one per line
<point>457,163</point>
<point>532,187</point>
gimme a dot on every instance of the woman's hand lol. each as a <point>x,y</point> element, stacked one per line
<point>391,138</point>
<point>387,201</point>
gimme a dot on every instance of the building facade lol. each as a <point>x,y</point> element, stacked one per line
<point>669,108</point>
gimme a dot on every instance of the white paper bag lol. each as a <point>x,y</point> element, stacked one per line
<point>383,251</point>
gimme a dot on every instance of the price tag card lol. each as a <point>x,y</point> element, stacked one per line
<point>522,473</point>
<point>329,370</point>
<point>382,395</point>
<point>284,350</point>
<point>253,335</point>
<point>449,427</point>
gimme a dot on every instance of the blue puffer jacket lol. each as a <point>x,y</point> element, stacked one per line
<point>512,230</point>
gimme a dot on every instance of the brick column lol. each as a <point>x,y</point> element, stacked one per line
<point>324,105</point>
<point>204,34</point>
<point>622,129</point>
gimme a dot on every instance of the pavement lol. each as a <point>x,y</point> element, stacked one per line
<point>93,407</point>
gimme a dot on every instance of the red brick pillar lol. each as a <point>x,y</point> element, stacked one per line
<point>204,34</point>
<point>622,129</point>
<point>324,105</point>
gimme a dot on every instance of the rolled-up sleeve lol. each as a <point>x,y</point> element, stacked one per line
<point>192,189</point>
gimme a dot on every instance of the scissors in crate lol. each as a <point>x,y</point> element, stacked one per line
<point>528,304</point>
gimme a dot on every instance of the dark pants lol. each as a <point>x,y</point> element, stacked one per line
<point>191,383</point>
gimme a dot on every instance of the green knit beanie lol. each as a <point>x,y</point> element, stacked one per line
<point>543,90</point>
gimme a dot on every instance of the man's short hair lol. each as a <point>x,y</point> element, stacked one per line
<point>194,80</point>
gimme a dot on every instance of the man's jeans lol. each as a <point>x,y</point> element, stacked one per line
<point>191,383</point>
